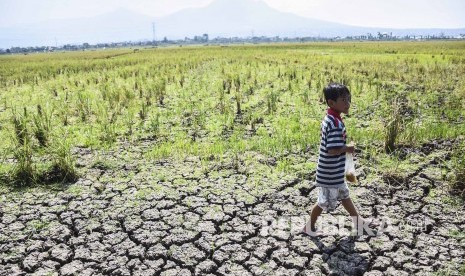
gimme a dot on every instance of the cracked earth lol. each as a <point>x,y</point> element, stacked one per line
<point>237,216</point>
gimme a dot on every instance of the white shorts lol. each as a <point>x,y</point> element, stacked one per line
<point>328,198</point>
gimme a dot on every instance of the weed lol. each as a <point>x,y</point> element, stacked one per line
<point>84,105</point>
<point>63,167</point>
<point>130,121</point>
<point>451,269</point>
<point>103,164</point>
<point>24,170</point>
<point>108,133</point>
<point>42,125</point>
<point>284,165</point>
<point>271,101</point>
<point>20,127</point>
<point>154,125</point>
<point>105,118</point>
<point>457,183</point>
<point>38,225</point>
<point>457,234</point>
<point>75,190</point>
<point>392,128</point>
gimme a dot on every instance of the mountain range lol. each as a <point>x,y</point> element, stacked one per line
<point>225,18</point>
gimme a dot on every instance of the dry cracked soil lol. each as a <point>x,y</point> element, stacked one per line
<point>235,216</point>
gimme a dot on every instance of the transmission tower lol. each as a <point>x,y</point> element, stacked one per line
<point>153,29</point>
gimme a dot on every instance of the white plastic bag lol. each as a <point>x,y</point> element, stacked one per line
<point>350,168</point>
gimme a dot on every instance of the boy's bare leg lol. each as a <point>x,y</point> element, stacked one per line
<point>314,214</point>
<point>356,218</point>
<point>350,207</point>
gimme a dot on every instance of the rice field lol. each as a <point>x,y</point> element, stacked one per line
<point>209,101</point>
<point>201,159</point>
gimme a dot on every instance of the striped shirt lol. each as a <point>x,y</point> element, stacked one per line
<point>331,168</point>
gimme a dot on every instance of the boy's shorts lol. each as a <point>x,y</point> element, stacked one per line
<point>328,198</point>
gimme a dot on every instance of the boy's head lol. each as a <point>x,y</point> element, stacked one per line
<point>337,97</point>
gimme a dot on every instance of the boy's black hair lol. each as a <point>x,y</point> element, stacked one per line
<point>334,91</point>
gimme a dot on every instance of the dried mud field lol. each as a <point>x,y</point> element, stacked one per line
<point>231,216</point>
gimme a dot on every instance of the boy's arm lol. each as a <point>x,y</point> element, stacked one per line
<point>344,149</point>
<point>335,141</point>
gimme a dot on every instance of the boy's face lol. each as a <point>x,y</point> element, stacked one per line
<point>342,104</point>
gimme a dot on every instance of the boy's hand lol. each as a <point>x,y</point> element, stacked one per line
<point>350,149</point>
<point>341,150</point>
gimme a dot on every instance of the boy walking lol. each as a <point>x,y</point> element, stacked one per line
<point>330,176</point>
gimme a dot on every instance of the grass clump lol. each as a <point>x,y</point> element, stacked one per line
<point>399,120</point>
<point>63,168</point>
<point>32,162</point>
<point>42,125</point>
<point>24,170</point>
<point>392,131</point>
<point>452,269</point>
<point>457,179</point>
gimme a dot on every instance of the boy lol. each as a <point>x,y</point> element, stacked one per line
<point>331,162</point>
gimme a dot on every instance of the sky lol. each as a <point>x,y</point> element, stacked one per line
<point>370,13</point>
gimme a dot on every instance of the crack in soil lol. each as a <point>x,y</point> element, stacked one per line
<point>233,222</point>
